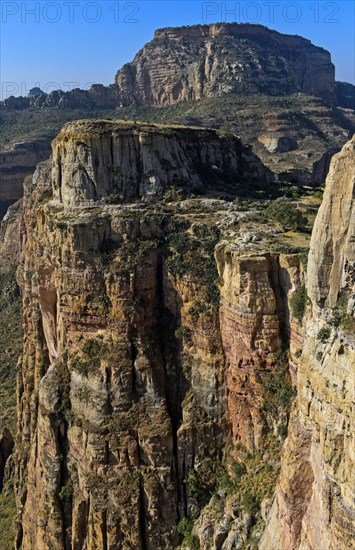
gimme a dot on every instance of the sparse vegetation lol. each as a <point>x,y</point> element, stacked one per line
<point>7,516</point>
<point>193,255</point>
<point>298,303</point>
<point>113,198</point>
<point>277,387</point>
<point>190,541</point>
<point>341,317</point>
<point>286,214</point>
<point>11,341</point>
<point>89,359</point>
<point>66,492</point>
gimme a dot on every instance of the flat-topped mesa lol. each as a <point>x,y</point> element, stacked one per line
<point>95,159</point>
<point>230,29</point>
<point>187,63</point>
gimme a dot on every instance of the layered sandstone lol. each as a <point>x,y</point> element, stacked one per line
<point>151,353</point>
<point>93,160</point>
<point>332,255</point>
<point>218,59</point>
<point>131,379</point>
<point>313,507</point>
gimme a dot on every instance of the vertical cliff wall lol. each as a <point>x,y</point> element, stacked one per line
<point>313,507</point>
<point>145,355</point>
<point>121,395</point>
<point>155,387</point>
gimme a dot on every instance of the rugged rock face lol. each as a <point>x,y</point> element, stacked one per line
<point>313,507</point>
<point>10,237</point>
<point>154,388</point>
<point>332,255</point>
<point>93,160</point>
<point>209,60</point>
<point>15,164</point>
<point>130,383</point>
<point>275,91</point>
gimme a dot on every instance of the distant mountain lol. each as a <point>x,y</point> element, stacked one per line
<point>214,60</point>
<point>278,92</point>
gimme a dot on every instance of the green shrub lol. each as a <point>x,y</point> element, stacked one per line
<point>282,431</point>
<point>190,542</point>
<point>298,303</point>
<point>182,332</point>
<point>66,492</point>
<point>341,317</point>
<point>324,334</point>
<point>113,198</point>
<point>185,526</point>
<point>239,469</point>
<point>224,481</point>
<point>192,484</point>
<point>286,214</point>
<point>250,504</point>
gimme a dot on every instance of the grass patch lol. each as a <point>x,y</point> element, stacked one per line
<point>7,516</point>
<point>277,387</point>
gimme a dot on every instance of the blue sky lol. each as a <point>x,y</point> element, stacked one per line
<point>68,43</point>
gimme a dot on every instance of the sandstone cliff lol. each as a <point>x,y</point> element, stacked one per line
<point>218,59</point>
<point>137,393</point>
<point>313,507</point>
<point>154,390</point>
<point>93,160</point>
